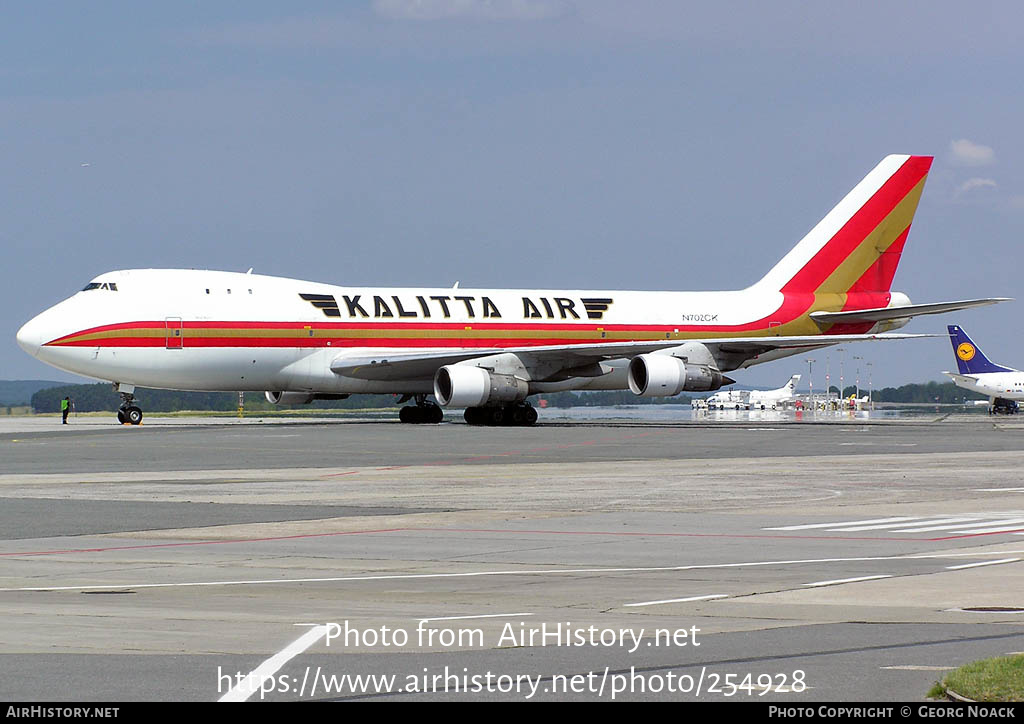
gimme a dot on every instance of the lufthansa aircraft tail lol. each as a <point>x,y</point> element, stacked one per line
<point>969,357</point>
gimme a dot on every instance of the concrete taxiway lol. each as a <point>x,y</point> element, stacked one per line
<point>712,559</point>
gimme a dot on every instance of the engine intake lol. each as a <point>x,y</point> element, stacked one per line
<point>662,375</point>
<point>465,386</point>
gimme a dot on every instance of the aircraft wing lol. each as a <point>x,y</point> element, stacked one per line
<point>422,364</point>
<point>882,314</point>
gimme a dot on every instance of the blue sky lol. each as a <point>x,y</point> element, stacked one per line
<point>526,143</point>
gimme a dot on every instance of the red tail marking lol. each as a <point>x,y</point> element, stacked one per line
<point>870,215</point>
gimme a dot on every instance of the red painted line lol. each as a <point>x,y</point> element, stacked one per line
<point>977,535</point>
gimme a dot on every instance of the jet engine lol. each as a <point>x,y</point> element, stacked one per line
<point>662,375</point>
<point>466,386</point>
<point>299,398</point>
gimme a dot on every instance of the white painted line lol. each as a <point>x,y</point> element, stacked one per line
<point>678,600</point>
<point>484,615</point>
<point>481,574</point>
<point>428,576</point>
<point>988,525</point>
<point>958,522</point>
<point>1000,490</point>
<point>251,683</point>
<point>846,580</point>
<point>1001,529</point>
<point>936,521</point>
<point>983,563</point>
<point>953,555</point>
<point>851,522</point>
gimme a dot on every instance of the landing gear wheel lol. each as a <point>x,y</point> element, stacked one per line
<point>129,411</point>
<point>517,415</point>
<point>410,415</point>
<point>421,412</point>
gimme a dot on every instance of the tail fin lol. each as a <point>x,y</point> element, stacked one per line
<point>857,246</point>
<point>791,385</point>
<point>969,357</point>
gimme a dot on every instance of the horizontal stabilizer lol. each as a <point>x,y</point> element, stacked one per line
<point>882,314</point>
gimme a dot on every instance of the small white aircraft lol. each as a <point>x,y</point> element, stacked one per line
<point>765,399</point>
<point>488,350</point>
<point>752,399</point>
<point>1003,385</point>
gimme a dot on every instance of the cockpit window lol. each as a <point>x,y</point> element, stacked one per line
<point>112,286</point>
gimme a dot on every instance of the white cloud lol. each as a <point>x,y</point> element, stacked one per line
<point>470,9</point>
<point>975,183</point>
<point>968,153</point>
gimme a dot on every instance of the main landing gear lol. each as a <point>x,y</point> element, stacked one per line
<point>129,412</point>
<point>519,414</point>
<point>423,412</point>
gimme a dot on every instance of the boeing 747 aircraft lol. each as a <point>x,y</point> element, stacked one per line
<point>488,350</point>
<point>1003,385</point>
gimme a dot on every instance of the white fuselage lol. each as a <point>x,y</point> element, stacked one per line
<point>209,330</point>
<point>1006,385</point>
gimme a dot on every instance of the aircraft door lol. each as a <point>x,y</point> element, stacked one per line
<point>174,335</point>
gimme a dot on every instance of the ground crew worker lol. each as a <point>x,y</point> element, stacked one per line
<point>65,408</point>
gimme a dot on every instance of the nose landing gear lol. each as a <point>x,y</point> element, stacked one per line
<point>129,412</point>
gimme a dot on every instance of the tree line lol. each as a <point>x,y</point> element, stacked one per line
<point>101,397</point>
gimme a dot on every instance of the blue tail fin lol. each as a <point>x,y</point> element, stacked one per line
<point>969,357</point>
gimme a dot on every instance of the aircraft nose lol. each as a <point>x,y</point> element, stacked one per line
<point>30,337</point>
